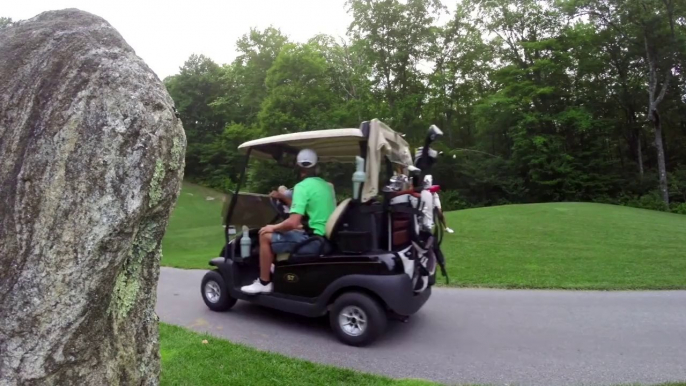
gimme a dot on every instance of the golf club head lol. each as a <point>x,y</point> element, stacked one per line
<point>435,132</point>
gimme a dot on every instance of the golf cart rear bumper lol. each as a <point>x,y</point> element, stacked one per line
<point>394,290</point>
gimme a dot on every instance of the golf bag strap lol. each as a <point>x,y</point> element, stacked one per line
<point>439,227</point>
<point>418,262</point>
<point>440,259</point>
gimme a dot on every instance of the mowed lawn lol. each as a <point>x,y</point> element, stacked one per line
<point>186,360</point>
<point>555,245</point>
<point>195,233</point>
<point>567,245</point>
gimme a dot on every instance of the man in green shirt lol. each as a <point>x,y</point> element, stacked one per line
<point>312,197</point>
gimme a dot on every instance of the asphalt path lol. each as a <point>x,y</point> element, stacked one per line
<point>485,336</point>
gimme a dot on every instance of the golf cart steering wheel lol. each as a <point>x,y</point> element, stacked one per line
<point>279,207</point>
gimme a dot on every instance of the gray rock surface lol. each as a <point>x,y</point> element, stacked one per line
<point>91,162</point>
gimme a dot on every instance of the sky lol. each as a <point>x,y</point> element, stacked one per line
<point>166,33</point>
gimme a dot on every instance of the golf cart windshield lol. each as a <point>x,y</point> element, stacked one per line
<point>251,209</point>
<point>372,141</point>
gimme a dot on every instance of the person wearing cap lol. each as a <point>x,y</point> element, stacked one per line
<point>312,197</point>
<point>428,184</point>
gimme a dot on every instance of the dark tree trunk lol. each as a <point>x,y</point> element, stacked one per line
<point>634,128</point>
<point>654,100</point>
<point>92,162</point>
<point>661,167</point>
<point>639,153</point>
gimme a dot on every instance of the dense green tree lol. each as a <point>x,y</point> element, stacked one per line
<point>349,78</point>
<point>462,62</point>
<point>395,38</point>
<point>299,95</point>
<point>540,100</point>
<point>651,25</point>
<point>194,89</point>
<point>246,76</point>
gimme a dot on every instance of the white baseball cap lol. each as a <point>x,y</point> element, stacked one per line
<point>307,158</point>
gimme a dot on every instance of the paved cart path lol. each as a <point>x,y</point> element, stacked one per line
<point>472,335</point>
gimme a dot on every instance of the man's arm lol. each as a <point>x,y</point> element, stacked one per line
<point>282,197</point>
<point>294,221</point>
<point>298,207</point>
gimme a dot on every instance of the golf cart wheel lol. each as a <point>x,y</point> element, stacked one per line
<point>214,292</point>
<point>357,319</point>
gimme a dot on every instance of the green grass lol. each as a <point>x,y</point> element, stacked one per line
<point>195,233</point>
<point>567,245</point>
<point>186,360</point>
<point>556,245</point>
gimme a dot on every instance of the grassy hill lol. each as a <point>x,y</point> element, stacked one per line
<point>194,234</point>
<point>567,245</point>
<point>555,245</point>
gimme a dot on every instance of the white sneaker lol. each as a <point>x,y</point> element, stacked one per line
<point>257,288</point>
<point>449,230</point>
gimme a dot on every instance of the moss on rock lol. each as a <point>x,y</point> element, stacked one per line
<point>155,192</point>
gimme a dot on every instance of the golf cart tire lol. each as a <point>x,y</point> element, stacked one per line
<point>372,310</point>
<point>225,301</point>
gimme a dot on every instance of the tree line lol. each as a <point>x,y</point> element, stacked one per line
<point>540,100</point>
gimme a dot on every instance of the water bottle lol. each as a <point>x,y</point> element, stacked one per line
<point>358,177</point>
<point>245,243</point>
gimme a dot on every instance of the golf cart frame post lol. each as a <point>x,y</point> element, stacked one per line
<point>234,199</point>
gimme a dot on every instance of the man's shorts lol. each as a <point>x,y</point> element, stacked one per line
<point>286,242</point>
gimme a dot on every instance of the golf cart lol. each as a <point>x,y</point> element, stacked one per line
<point>379,256</point>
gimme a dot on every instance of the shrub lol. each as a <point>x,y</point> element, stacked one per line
<point>451,200</point>
<point>679,208</point>
<point>652,200</point>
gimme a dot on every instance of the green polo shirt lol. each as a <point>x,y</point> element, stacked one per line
<point>314,198</point>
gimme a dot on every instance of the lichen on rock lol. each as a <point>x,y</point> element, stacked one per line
<point>125,293</point>
<point>155,192</point>
<point>92,163</point>
<point>178,153</point>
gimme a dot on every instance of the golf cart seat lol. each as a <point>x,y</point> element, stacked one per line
<point>335,218</point>
<point>351,229</point>
<point>354,226</point>
<point>331,224</point>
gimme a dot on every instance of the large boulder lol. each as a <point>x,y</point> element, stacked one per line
<point>91,162</point>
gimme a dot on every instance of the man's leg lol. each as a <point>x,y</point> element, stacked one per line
<point>441,217</point>
<point>266,257</point>
<point>271,243</point>
<point>263,284</point>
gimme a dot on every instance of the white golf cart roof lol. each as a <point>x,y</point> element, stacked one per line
<point>340,145</point>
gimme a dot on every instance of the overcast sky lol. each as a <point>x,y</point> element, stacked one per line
<point>166,33</point>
